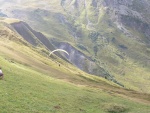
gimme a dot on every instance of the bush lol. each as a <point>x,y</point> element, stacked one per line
<point>115,108</point>
<point>93,36</point>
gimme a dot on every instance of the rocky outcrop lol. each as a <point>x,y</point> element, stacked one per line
<point>33,37</point>
<point>23,30</point>
<point>80,60</point>
<point>138,25</point>
<point>132,14</point>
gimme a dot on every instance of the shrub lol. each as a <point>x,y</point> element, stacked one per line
<point>115,108</point>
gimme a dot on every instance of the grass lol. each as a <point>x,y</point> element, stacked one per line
<point>34,83</point>
<point>25,90</point>
<point>106,55</point>
<point>114,108</point>
<point>48,15</point>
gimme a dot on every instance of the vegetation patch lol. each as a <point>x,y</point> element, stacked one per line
<point>115,108</point>
<point>82,47</point>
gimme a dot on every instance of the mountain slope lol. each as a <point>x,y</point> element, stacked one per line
<point>113,33</point>
<point>35,83</point>
<point>35,92</point>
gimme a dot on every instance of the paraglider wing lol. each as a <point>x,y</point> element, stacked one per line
<point>59,50</point>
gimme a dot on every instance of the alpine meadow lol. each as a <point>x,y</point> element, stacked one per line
<point>75,56</point>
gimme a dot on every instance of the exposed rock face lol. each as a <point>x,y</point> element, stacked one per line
<point>126,7</point>
<point>138,25</point>
<point>80,60</point>
<point>76,57</point>
<point>32,36</point>
<point>131,13</point>
<point>22,29</point>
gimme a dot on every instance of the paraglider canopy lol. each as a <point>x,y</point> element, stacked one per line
<point>61,50</point>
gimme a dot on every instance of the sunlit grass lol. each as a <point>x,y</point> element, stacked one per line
<point>25,90</point>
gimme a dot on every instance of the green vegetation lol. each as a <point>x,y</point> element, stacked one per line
<point>99,38</point>
<point>35,83</point>
<point>113,108</point>
<point>25,90</point>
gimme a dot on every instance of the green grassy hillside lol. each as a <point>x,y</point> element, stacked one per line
<point>108,38</point>
<point>35,83</point>
<point>25,90</point>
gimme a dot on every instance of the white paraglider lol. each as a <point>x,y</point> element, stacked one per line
<point>58,50</point>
